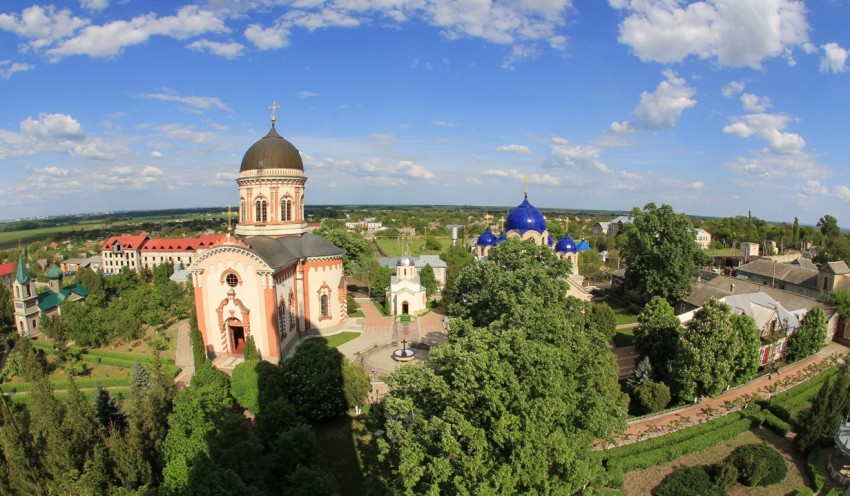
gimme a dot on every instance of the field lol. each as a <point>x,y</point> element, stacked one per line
<point>392,248</point>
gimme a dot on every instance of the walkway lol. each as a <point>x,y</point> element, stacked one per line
<point>692,413</point>
<point>183,356</point>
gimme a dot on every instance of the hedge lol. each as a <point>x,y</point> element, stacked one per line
<point>815,475</point>
<point>90,394</point>
<point>664,454</point>
<point>749,457</point>
<point>688,481</point>
<point>776,424</point>
<point>804,492</point>
<point>150,359</point>
<point>666,440</point>
<point>58,385</point>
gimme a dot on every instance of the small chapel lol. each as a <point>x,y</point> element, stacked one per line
<point>270,279</point>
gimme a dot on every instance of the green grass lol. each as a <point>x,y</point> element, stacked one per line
<point>339,339</point>
<point>722,251</point>
<point>392,248</point>
<point>626,318</point>
<point>624,337</point>
<point>88,393</point>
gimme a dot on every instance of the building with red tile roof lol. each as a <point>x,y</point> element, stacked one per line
<point>157,251</point>
<point>7,274</point>
<point>123,251</point>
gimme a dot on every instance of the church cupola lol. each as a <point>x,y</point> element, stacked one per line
<point>271,187</point>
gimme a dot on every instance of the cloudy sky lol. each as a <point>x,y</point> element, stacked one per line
<point>716,107</point>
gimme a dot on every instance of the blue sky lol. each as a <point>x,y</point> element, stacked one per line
<point>715,107</point>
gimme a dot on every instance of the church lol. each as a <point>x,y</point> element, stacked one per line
<point>271,279</point>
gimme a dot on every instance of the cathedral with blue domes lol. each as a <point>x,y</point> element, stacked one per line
<point>527,223</point>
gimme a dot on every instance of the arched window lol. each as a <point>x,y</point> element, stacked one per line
<point>286,210</point>
<point>326,311</point>
<point>262,210</point>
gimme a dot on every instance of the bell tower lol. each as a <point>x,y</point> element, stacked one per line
<point>25,298</point>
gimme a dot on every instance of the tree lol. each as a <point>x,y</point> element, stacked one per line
<point>661,253</point>
<point>456,258</point>
<point>657,335</point>
<point>643,372</point>
<point>829,226</point>
<point>383,275</point>
<point>748,346</point>
<point>603,319</point>
<point>711,354</point>
<point>651,396</point>
<point>829,409</point>
<point>809,337</point>
<point>356,384</point>
<point>512,404</point>
<point>313,380</point>
<point>590,264</point>
<point>428,279</point>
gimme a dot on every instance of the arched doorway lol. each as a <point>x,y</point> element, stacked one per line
<point>405,308</point>
<point>236,335</point>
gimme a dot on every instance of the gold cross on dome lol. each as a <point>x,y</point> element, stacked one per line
<point>525,185</point>
<point>274,106</point>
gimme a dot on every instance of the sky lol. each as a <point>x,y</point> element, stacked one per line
<point>716,107</point>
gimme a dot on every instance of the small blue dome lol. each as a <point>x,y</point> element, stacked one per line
<point>487,238</point>
<point>565,245</point>
<point>499,239</point>
<point>550,241</point>
<point>583,245</point>
<point>525,218</point>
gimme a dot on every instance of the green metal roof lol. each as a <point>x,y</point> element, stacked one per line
<point>54,272</point>
<point>22,274</point>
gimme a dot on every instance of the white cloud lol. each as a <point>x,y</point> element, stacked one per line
<point>121,170</point>
<point>7,68</point>
<point>443,124</point>
<point>566,155</point>
<point>815,188</point>
<point>151,171</point>
<point>624,127</point>
<point>271,38</point>
<point>94,4</point>
<point>411,169</point>
<point>733,88</point>
<point>184,134</point>
<point>110,39</point>
<point>834,58</point>
<point>842,192</point>
<point>306,94</point>
<point>521,149</point>
<point>770,128</point>
<point>519,53</point>
<point>200,102</point>
<point>43,26</point>
<point>755,103</point>
<point>534,178</point>
<point>52,171</point>
<point>474,180</point>
<point>766,165</point>
<point>733,32</point>
<point>53,127</point>
<point>156,154</point>
<point>228,51</point>
<point>661,109</point>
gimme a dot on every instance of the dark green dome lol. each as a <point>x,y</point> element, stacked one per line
<point>272,152</point>
<point>54,272</point>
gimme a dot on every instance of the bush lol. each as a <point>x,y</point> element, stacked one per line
<point>652,396</point>
<point>804,492</point>
<point>690,481</point>
<point>615,475</point>
<point>815,475</point>
<point>759,464</point>
<point>351,305</point>
<point>244,385</point>
<point>726,475</point>
<point>776,424</point>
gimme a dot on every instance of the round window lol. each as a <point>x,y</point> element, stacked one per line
<point>231,280</point>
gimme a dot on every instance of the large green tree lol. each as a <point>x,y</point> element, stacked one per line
<point>357,249</point>
<point>809,337</point>
<point>428,279</point>
<point>661,252</point>
<point>657,335</point>
<point>512,404</point>
<point>829,409</point>
<point>715,351</point>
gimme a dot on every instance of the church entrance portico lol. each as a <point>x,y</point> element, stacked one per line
<point>405,308</point>
<point>236,335</point>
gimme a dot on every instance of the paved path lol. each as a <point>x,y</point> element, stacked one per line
<point>691,413</point>
<point>183,356</point>
<point>626,357</point>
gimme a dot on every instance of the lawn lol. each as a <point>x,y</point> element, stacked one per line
<point>643,481</point>
<point>624,337</point>
<point>337,340</point>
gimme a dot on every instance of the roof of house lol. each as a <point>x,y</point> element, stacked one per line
<point>170,244</point>
<point>716,286</point>
<point>48,300</point>
<point>762,308</point>
<point>804,262</point>
<point>7,268</point>
<point>781,272</point>
<point>127,242</point>
<point>837,268</point>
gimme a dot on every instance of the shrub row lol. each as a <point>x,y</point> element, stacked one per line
<point>148,359</point>
<point>815,475</point>
<point>664,454</point>
<point>799,389</point>
<point>82,383</point>
<point>666,440</point>
<point>776,424</point>
<point>90,394</point>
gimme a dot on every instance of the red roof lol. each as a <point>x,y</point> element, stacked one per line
<point>7,268</point>
<point>127,242</point>
<point>181,244</point>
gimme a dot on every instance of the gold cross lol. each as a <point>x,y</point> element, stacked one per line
<point>228,218</point>
<point>525,185</point>
<point>274,106</point>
